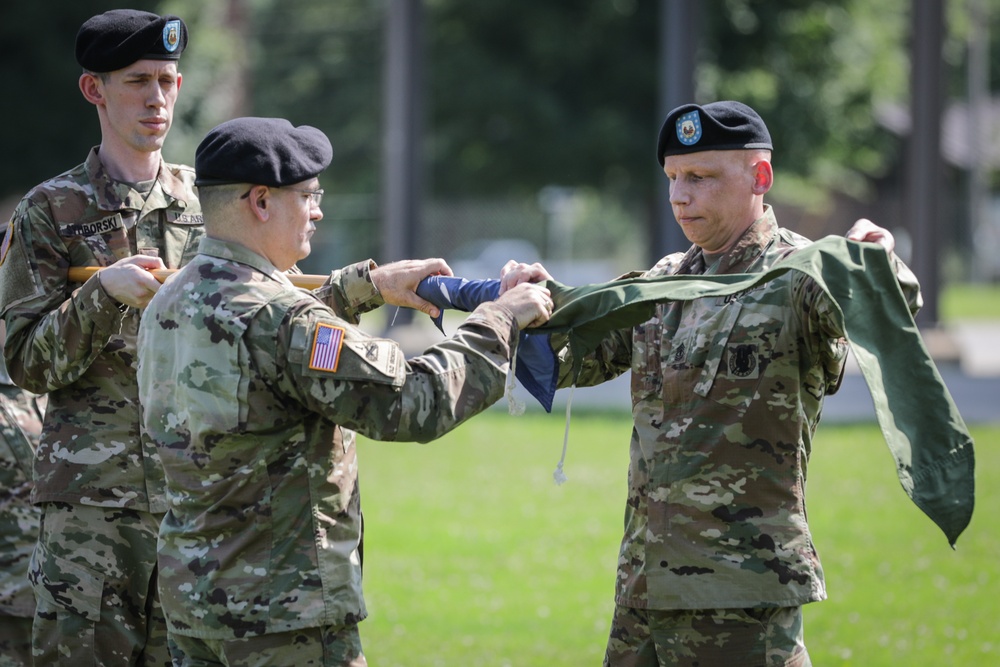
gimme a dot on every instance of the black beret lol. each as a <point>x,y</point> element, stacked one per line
<point>117,38</point>
<point>719,126</point>
<point>261,151</point>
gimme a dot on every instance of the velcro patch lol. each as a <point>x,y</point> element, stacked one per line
<point>325,354</point>
<point>382,355</point>
<point>7,239</point>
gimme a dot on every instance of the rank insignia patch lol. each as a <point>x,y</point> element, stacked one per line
<point>326,348</point>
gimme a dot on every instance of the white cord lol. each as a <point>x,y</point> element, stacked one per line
<point>514,406</point>
<point>559,476</point>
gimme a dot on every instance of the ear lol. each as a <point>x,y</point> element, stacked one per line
<point>180,79</point>
<point>92,89</point>
<point>763,177</point>
<point>260,197</point>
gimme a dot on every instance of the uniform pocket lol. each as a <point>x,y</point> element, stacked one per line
<point>647,375</point>
<point>96,242</point>
<point>182,233</point>
<point>63,584</point>
<point>742,361</point>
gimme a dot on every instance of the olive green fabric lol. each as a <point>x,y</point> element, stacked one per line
<point>921,424</point>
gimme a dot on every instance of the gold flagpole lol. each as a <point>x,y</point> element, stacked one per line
<point>80,274</point>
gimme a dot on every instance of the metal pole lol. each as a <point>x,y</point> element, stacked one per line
<point>679,29</point>
<point>979,130</point>
<point>403,118</point>
<point>924,171</point>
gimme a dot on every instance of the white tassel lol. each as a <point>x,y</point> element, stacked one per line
<point>514,406</point>
<point>559,476</point>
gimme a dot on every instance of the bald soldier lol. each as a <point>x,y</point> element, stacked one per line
<point>717,558</point>
<point>94,567</point>
<point>252,391</point>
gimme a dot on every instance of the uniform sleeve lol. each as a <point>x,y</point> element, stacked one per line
<point>365,384</point>
<point>350,291</point>
<point>612,358</point>
<point>20,431</point>
<point>53,333</point>
<point>614,354</point>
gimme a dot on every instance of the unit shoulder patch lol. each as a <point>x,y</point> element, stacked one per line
<point>382,355</point>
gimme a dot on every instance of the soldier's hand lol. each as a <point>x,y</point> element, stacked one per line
<point>866,230</point>
<point>515,273</point>
<point>129,280</point>
<point>531,304</point>
<point>397,282</point>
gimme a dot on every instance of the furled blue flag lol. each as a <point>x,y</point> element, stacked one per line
<point>536,368</point>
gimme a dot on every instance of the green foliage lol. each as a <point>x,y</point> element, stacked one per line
<point>817,72</point>
<point>519,94</point>
<point>311,61</point>
<point>212,67</point>
<point>605,229</point>
<point>525,93</point>
<point>319,63</point>
<point>475,557</point>
<point>49,127</point>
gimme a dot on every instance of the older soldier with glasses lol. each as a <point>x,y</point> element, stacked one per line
<point>252,391</point>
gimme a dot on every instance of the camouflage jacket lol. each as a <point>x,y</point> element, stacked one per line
<point>252,391</point>
<point>20,426</point>
<point>726,396</point>
<point>70,341</point>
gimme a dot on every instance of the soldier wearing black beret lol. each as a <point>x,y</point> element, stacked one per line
<point>718,126</point>
<point>124,210</point>
<point>239,371</point>
<point>119,37</point>
<point>717,559</point>
<point>262,151</point>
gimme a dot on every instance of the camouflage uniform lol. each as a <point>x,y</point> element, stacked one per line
<point>20,427</point>
<point>726,397</point>
<point>253,391</point>
<point>74,343</point>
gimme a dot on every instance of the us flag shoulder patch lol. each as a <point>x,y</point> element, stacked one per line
<point>325,353</point>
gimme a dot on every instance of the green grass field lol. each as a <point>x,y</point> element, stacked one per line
<point>475,557</point>
<point>970,301</point>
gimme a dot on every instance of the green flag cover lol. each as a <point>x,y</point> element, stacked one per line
<point>918,418</point>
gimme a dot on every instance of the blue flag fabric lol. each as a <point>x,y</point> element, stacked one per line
<point>536,369</point>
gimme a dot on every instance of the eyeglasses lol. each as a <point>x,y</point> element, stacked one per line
<point>315,195</point>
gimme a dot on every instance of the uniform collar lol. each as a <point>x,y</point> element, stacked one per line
<point>114,195</point>
<point>747,249</point>
<point>235,252</point>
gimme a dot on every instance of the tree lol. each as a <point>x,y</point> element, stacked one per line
<point>817,72</point>
<point>47,125</point>
<point>524,94</point>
